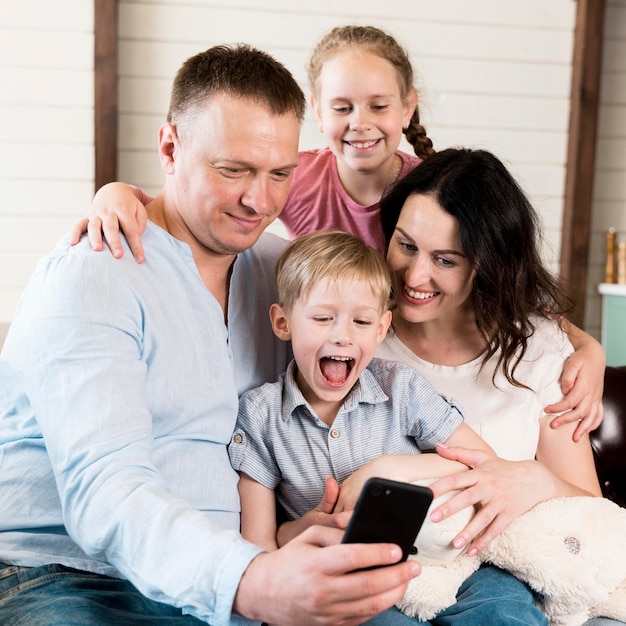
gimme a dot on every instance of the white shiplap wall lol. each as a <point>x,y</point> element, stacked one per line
<point>46,131</point>
<point>491,73</point>
<point>609,198</point>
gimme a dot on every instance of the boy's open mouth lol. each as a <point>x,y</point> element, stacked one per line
<point>336,369</point>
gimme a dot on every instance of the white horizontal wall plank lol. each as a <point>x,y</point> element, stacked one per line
<point>515,145</point>
<point>537,13</point>
<point>46,87</point>
<point>493,76</point>
<point>68,162</point>
<point>502,112</point>
<point>45,197</point>
<point>68,16</point>
<point>30,124</point>
<point>46,49</point>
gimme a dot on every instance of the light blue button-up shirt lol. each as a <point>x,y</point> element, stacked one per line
<point>119,391</point>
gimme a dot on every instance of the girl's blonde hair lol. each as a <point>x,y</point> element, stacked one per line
<point>334,255</point>
<point>382,44</point>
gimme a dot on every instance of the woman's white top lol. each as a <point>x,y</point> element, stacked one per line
<point>505,416</point>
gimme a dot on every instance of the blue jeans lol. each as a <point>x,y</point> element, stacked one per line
<point>489,597</point>
<point>53,595</point>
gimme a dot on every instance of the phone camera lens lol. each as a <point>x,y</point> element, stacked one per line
<point>376,490</point>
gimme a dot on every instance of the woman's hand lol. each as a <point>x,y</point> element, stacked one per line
<point>321,515</point>
<point>503,490</point>
<point>115,207</point>
<point>582,383</point>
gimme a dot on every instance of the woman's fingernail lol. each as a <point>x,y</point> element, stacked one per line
<point>437,516</point>
<point>459,542</point>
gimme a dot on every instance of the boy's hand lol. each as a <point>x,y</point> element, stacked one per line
<point>321,515</point>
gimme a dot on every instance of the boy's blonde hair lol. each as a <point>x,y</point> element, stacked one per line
<point>332,254</point>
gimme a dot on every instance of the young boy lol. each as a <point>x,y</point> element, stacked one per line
<point>337,411</point>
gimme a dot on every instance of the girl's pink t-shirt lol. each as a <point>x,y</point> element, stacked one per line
<point>318,201</point>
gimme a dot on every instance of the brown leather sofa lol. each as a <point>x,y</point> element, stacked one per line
<point>609,440</point>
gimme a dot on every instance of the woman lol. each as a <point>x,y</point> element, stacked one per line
<point>478,314</point>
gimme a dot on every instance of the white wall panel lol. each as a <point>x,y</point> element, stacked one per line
<point>46,131</point>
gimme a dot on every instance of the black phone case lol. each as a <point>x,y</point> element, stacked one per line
<point>389,511</point>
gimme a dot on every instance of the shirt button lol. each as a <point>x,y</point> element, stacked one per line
<point>334,433</point>
<point>237,438</point>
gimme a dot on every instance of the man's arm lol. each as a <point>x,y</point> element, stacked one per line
<point>125,480</point>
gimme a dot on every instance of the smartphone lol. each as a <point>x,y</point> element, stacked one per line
<point>388,511</point>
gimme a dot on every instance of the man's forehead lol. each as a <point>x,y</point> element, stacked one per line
<point>227,103</point>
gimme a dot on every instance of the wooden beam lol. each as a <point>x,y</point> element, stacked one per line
<point>105,91</point>
<point>581,153</point>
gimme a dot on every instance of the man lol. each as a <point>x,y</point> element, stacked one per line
<point>120,387</point>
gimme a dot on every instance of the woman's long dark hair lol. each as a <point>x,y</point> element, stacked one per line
<point>499,235</point>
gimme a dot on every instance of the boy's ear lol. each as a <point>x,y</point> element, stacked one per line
<point>280,323</point>
<point>383,325</point>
